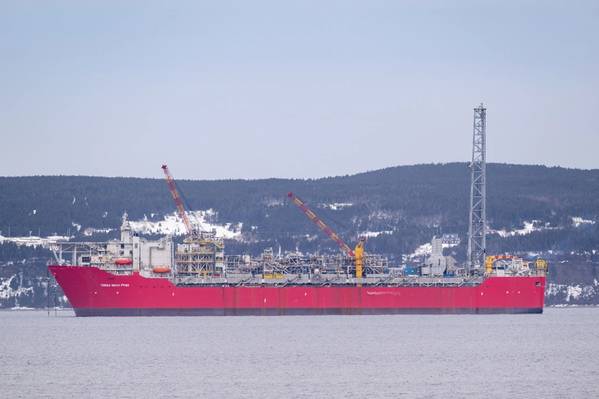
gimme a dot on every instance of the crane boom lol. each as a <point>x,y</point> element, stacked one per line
<point>177,198</point>
<point>321,225</point>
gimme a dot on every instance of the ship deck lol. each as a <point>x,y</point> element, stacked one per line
<point>328,281</point>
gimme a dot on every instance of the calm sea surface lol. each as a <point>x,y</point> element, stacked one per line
<point>552,355</point>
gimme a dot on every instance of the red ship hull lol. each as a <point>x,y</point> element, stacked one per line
<point>94,292</point>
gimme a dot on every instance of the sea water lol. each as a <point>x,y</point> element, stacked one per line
<point>553,355</point>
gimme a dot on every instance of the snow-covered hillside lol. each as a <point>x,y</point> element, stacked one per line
<point>172,224</point>
<point>33,241</point>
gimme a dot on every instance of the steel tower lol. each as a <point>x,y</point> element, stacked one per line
<point>477,230</point>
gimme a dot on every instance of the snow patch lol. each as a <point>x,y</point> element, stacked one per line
<point>171,224</point>
<point>311,237</point>
<point>427,249</point>
<point>384,215</point>
<point>273,202</point>
<point>6,291</point>
<point>90,231</point>
<point>34,241</point>
<point>373,234</point>
<point>529,227</point>
<point>76,225</point>
<point>423,250</point>
<point>578,221</point>
<point>336,206</point>
<point>573,292</point>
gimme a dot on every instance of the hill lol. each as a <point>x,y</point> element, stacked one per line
<point>402,206</point>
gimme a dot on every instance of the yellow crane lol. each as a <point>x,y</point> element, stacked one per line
<point>357,253</point>
<point>359,257</point>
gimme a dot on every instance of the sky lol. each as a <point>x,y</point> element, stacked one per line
<point>258,89</point>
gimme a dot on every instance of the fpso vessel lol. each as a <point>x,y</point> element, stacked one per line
<point>138,277</point>
<point>95,292</point>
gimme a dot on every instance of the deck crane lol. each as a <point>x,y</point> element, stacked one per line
<point>177,198</point>
<point>202,253</point>
<point>357,253</point>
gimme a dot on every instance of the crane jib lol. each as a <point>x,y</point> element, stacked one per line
<point>177,198</point>
<point>321,224</point>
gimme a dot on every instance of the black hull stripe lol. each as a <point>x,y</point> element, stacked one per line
<point>88,312</point>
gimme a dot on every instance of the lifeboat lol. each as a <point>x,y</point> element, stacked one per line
<point>123,261</point>
<point>161,269</point>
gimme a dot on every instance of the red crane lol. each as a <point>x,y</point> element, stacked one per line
<point>321,225</point>
<point>177,198</point>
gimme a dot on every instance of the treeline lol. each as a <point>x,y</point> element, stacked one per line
<point>413,202</point>
<point>12,252</point>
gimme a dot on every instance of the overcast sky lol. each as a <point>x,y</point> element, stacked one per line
<point>252,89</point>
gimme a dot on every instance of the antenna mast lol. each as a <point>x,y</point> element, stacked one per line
<point>477,230</point>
